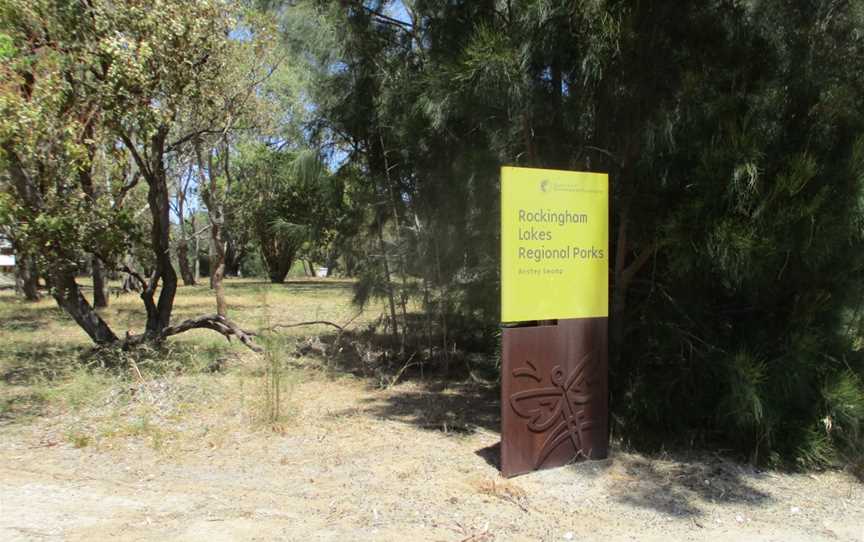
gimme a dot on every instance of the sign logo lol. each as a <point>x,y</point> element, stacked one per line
<point>544,185</point>
<point>558,411</point>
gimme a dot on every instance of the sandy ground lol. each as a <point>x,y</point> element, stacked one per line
<point>356,463</point>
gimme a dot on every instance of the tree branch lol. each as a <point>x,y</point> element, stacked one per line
<point>637,264</point>
<point>309,323</point>
<point>118,200</point>
<point>217,323</point>
<point>618,162</point>
<point>341,328</point>
<point>142,165</point>
<point>388,20</point>
<point>214,322</point>
<point>135,275</point>
<point>190,136</point>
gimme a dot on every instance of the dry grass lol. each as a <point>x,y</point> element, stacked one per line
<point>48,367</point>
<point>193,445</point>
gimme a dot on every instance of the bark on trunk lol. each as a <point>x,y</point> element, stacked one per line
<point>130,284</point>
<point>27,278</point>
<point>217,270</point>
<point>69,297</point>
<point>183,261</point>
<point>623,275</point>
<point>390,294</point>
<point>278,255</point>
<point>233,256</point>
<point>215,212</point>
<point>279,265</point>
<point>100,295</point>
<point>196,249</point>
<point>159,313</point>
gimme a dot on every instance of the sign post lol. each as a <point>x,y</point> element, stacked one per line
<point>555,307</point>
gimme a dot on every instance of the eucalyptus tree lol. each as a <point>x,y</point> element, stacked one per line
<point>49,135</point>
<point>123,73</point>
<point>237,106</point>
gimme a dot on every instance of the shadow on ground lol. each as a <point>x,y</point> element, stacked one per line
<point>491,454</point>
<point>21,406</point>
<point>676,487</point>
<point>457,409</point>
<point>318,288</point>
<point>28,364</point>
<point>457,395</point>
<point>29,320</point>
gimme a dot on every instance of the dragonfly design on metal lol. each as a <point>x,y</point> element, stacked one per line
<point>558,409</point>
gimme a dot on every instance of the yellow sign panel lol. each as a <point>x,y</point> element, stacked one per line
<point>554,244</point>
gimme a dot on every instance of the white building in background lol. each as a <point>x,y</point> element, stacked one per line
<point>7,256</point>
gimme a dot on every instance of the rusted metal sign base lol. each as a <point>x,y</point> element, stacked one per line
<point>554,395</point>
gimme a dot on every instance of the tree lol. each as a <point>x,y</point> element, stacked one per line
<point>115,72</point>
<point>183,191</point>
<point>284,199</point>
<point>240,106</point>
<point>48,140</point>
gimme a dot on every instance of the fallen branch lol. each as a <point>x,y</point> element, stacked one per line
<point>217,323</point>
<point>214,322</point>
<point>310,323</point>
<point>341,328</point>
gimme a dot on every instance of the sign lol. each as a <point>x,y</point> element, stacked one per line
<point>554,244</point>
<point>554,395</point>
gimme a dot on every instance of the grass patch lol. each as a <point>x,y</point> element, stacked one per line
<point>78,438</point>
<point>193,390</point>
<point>83,388</point>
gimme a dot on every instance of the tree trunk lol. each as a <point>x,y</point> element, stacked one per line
<point>196,247</point>
<point>623,274</point>
<point>27,278</point>
<point>183,261</point>
<point>159,314</point>
<point>183,242</point>
<point>215,212</point>
<point>152,166</point>
<point>332,258</point>
<point>233,256</point>
<point>443,307</point>
<point>378,167</point>
<point>211,260</point>
<point>278,277</point>
<point>217,268</point>
<point>278,256</point>
<point>400,249</point>
<point>68,296</point>
<point>100,296</point>
<point>279,265</point>
<point>390,295</point>
<point>130,284</point>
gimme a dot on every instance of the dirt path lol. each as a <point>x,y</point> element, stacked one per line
<point>406,464</point>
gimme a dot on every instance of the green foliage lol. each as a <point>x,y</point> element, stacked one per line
<point>843,425</point>
<point>7,47</point>
<point>286,201</point>
<point>735,160</point>
<point>732,133</point>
